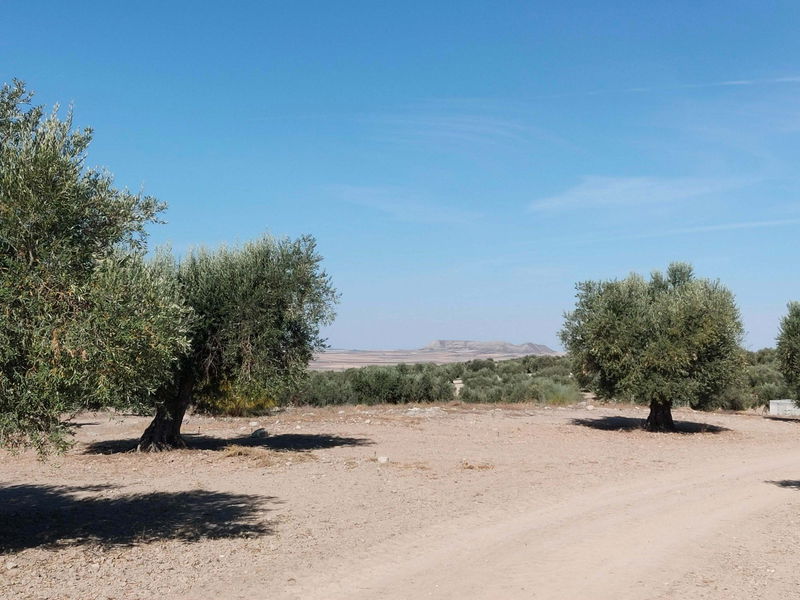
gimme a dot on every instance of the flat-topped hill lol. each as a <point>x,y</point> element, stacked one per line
<point>438,351</point>
<point>496,347</point>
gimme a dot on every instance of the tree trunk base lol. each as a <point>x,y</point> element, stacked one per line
<point>161,435</point>
<point>660,417</point>
<point>147,444</point>
<point>164,431</point>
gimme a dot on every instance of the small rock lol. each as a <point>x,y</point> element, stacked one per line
<point>383,459</point>
<point>253,423</point>
<point>259,433</point>
<point>298,427</point>
<point>341,412</point>
<point>368,421</point>
<point>589,407</point>
<point>11,565</point>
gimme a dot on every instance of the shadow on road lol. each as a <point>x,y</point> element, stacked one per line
<point>786,483</point>
<point>50,515</point>
<point>285,441</point>
<point>631,424</point>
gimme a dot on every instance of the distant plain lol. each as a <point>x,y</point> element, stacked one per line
<point>439,352</point>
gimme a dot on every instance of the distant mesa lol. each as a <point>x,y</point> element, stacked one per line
<point>472,346</point>
<point>438,351</point>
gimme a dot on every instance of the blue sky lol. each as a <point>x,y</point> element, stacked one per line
<point>462,165</point>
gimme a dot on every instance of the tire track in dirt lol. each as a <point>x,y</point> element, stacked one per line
<point>620,541</point>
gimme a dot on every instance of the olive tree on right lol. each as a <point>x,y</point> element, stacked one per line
<point>672,339</point>
<point>788,348</point>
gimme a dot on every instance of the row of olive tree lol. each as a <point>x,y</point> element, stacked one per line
<point>673,339</point>
<point>529,379</point>
<point>89,321</point>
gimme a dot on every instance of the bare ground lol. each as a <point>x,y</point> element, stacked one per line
<point>474,502</point>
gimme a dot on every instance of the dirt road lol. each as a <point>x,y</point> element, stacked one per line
<point>654,536</point>
<point>416,502</point>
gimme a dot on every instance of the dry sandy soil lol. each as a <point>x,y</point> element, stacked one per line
<point>339,360</point>
<point>501,502</point>
<point>439,352</point>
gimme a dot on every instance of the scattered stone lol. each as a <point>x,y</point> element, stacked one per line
<point>368,421</point>
<point>589,407</point>
<point>11,565</point>
<point>254,423</point>
<point>383,459</point>
<point>259,433</point>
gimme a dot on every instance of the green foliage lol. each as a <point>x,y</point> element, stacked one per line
<point>788,349</point>
<point>258,312</point>
<point>544,379</point>
<point>88,323</point>
<point>672,339</point>
<point>760,382</point>
<point>519,380</point>
<point>85,321</point>
<point>399,384</point>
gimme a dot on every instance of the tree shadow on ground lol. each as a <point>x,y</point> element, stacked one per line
<point>786,483</point>
<point>76,425</point>
<point>58,516</point>
<point>784,419</point>
<point>284,441</point>
<point>631,424</point>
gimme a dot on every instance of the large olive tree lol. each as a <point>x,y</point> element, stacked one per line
<point>788,348</point>
<point>85,321</point>
<point>672,339</point>
<point>257,317</point>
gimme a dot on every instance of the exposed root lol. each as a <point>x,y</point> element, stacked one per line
<point>150,445</point>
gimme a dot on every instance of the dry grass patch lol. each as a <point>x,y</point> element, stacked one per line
<point>265,457</point>
<point>416,465</point>
<point>484,466</point>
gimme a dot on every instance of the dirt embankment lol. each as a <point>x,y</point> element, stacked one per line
<point>405,502</point>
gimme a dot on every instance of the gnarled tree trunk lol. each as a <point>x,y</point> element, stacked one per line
<point>164,432</point>
<point>660,417</point>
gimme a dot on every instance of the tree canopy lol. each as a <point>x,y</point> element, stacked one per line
<point>672,339</point>
<point>87,321</point>
<point>258,311</point>
<point>788,348</point>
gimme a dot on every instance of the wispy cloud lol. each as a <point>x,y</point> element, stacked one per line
<point>402,205</point>
<point>634,191</point>
<point>462,122</point>
<point>714,227</point>
<point>481,129</point>
<point>770,81</point>
<point>588,240</point>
